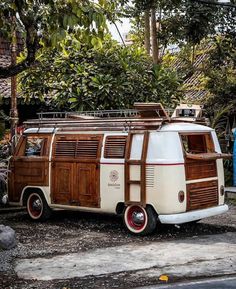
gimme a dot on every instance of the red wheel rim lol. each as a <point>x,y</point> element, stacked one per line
<point>35,206</point>
<point>136,218</point>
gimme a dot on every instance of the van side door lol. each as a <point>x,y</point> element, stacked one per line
<point>76,170</point>
<point>30,164</point>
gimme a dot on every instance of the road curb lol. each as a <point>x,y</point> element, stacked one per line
<point>230,192</point>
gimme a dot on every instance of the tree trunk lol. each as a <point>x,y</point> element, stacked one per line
<point>147,31</point>
<point>155,50</point>
<point>14,111</point>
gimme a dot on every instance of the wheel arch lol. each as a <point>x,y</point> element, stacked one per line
<point>120,207</point>
<point>29,189</point>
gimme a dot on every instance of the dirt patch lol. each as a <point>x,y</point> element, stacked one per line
<point>71,232</point>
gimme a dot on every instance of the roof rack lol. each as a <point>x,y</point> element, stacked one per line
<point>143,116</point>
<point>88,114</point>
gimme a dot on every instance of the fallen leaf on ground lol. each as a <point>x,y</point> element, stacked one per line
<point>164,278</point>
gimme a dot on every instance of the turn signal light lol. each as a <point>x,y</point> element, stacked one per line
<point>181,196</point>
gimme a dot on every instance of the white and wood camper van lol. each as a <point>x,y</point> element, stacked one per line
<point>142,164</point>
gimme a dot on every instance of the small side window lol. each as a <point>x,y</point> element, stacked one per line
<point>34,146</point>
<point>115,147</point>
<point>197,143</point>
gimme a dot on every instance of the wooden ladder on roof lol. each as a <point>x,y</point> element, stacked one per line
<point>135,170</point>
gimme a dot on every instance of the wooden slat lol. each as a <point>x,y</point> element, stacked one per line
<point>87,149</point>
<point>202,195</point>
<point>143,168</point>
<point>196,169</point>
<point>208,156</point>
<point>115,147</point>
<point>127,167</point>
<point>131,182</point>
<point>65,148</point>
<point>80,148</point>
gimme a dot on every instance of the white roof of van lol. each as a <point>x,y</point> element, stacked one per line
<point>40,130</point>
<point>185,127</point>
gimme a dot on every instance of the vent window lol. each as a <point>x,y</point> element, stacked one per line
<point>80,149</point>
<point>65,148</point>
<point>87,149</point>
<point>115,147</point>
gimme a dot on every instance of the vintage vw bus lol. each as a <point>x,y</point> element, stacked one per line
<point>142,164</point>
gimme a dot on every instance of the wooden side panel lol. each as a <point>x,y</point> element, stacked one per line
<point>86,189</point>
<point>202,195</point>
<point>24,173</point>
<point>200,169</point>
<point>62,183</point>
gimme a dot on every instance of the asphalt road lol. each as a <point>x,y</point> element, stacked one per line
<point>219,283</point>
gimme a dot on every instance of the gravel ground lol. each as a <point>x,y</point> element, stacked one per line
<point>70,231</point>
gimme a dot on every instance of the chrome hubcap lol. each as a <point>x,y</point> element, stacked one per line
<point>37,206</point>
<point>138,218</point>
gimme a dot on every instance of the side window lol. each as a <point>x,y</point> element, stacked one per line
<point>34,146</point>
<point>115,147</point>
<point>197,143</point>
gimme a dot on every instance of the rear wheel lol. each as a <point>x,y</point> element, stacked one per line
<point>139,220</point>
<point>37,206</point>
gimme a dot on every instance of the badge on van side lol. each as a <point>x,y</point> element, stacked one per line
<point>114,176</point>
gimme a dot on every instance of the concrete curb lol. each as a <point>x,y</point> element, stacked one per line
<point>230,192</point>
<point>185,258</point>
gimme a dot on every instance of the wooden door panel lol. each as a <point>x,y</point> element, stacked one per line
<point>86,187</point>
<point>81,154</point>
<point>62,183</point>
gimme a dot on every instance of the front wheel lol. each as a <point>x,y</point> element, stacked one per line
<point>37,207</point>
<point>139,220</point>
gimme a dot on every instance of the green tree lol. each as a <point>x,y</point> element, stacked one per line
<point>45,23</point>
<point>107,77</point>
<point>177,22</point>
<point>221,74</point>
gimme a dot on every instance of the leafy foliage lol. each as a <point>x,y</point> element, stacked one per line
<point>221,74</point>
<point>182,21</point>
<point>107,77</point>
<point>45,23</point>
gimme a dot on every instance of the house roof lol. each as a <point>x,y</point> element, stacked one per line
<point>193,86</point>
